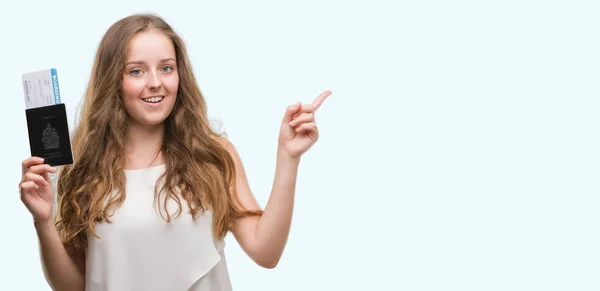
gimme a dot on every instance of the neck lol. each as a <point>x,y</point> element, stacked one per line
<point>142,145</point>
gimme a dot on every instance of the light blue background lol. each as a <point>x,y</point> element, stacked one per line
<point>459,150</point>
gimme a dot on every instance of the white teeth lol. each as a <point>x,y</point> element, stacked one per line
<point>153,99</point>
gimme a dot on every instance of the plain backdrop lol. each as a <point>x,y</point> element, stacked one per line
<point>459,149</point>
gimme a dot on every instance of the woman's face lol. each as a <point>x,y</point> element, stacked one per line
<point>150,79</point>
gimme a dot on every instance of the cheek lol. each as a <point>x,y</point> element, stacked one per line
<point>132,88</point>
<point>172,84</point>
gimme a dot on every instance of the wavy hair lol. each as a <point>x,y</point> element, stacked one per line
<point>198,168</point>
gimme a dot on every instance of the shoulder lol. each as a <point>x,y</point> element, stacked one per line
<point>227,145</point>
<point>230,148</point>
<point>223,141</point>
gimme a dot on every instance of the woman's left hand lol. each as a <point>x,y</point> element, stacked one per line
<point>299,130</point>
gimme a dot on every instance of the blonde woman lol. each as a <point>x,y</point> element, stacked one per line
<point>153,189</point>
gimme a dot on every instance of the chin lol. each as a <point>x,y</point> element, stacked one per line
<point>156,121</point>
<point>150,117</point>
<point>149,121</point>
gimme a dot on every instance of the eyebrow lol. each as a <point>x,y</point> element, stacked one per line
<point>142,62</point>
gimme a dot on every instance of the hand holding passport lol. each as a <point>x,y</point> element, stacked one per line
<point>47,123</point>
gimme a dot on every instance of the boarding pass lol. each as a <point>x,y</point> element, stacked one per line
<point>41,88</point>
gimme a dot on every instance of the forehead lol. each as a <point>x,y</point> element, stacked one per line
<point>150,45</point>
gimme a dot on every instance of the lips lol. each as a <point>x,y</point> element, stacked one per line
<point>153,99</point>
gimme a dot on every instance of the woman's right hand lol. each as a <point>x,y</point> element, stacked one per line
<point>36,191</point>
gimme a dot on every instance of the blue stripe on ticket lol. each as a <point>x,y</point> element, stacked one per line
<point>55,88</point>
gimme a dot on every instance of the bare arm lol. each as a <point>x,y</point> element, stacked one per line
<point>63,267</point>
<point>264,238</point>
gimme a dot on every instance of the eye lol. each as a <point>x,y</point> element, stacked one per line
<point>136,72</point>
<point>166,69</point>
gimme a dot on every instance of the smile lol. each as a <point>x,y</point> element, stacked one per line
<point>153,99</point>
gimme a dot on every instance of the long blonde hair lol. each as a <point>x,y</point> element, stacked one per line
<point>196,164</point>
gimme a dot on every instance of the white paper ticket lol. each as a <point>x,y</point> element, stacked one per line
<point>41,88</point>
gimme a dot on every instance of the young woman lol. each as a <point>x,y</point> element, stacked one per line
<point>153,189</point>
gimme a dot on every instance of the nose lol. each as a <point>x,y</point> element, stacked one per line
<point>154,81</point>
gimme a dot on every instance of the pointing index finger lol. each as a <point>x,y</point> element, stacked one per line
<point>317,103</point>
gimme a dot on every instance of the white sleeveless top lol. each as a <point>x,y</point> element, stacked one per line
<point>139,251</point>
